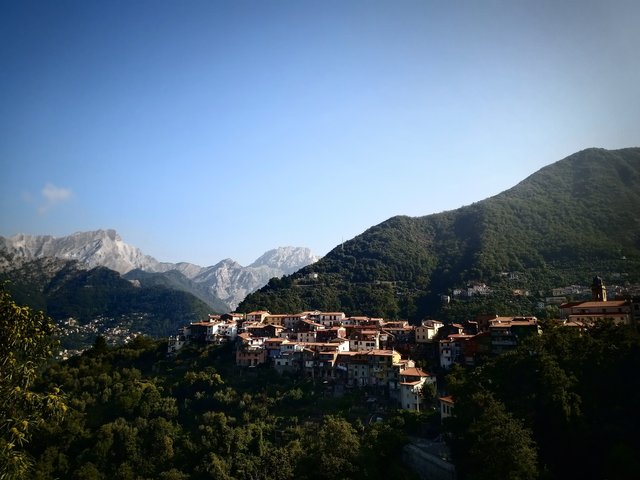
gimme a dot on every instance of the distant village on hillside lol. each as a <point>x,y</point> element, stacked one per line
<point>352,352</point>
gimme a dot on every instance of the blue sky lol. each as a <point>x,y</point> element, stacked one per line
<point>202,130</point>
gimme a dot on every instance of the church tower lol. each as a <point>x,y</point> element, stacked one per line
<point>598,290</point>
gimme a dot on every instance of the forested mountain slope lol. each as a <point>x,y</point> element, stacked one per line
<point>569,220</point>
<point>67,288</point>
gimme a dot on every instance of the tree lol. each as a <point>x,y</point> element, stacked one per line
<point>428,393</point>
<point>332,451</point>
<point>485,430</point>
<point>100,345</point>
<point>25,346</point>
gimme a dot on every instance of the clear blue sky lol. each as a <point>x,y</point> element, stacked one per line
<point>214,129</point>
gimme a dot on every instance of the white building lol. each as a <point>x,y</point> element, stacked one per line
<point>412,382</point>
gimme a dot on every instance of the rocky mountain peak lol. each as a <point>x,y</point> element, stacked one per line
<point>227,280</point>
<point>95,248</point>
<point>287,259</point>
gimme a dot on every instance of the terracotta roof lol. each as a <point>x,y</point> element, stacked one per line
<point>431,322</point>
<point>253,324</point>
<point>315,344</point>
<point>380,352</point>
<point>414,372</point>
<point>459,336</point>
<point>569,304</point>
<point>512,319</point>
<point>311,322</point>
<point>612,303</point>
<point>350,353</point>
<point>509,321</point>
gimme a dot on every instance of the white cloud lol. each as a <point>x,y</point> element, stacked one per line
<point>53,196</point>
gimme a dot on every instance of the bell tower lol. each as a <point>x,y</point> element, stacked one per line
<point>598,290</point>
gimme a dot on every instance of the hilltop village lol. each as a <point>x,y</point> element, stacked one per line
<point>371,352</point>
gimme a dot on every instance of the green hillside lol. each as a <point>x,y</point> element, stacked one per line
<point>65,289</point>
<point>568,221</point>
<point>173,279</point>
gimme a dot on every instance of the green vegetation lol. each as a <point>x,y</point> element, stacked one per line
<point>563,405</point>
<point>175,280</point>
<point>134,413</point>
<point>560,226</point>
<point>62,289</point>
<point>25,345</point>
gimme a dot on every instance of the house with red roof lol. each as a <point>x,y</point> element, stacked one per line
<point>412,384</point>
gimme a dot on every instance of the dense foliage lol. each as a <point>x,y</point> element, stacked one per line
<point>136,414</point>
<point>563,405</point>
<point>25,346</point>
<point>560,226</point>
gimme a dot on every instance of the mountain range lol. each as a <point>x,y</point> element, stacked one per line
<point>221,286</point>
<point>94,283</point>
<point>571,220</point>
<point>565,223</point>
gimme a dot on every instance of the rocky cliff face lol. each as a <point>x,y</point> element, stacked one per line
<point>101,248</point>
<point>231,282</point>
<point>285,259</point>
<point>227,280</point>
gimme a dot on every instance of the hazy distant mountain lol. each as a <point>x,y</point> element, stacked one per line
<point>231,282</point>
<point>565,223</point>
<point>221,286</point>
<point>285,259</point>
